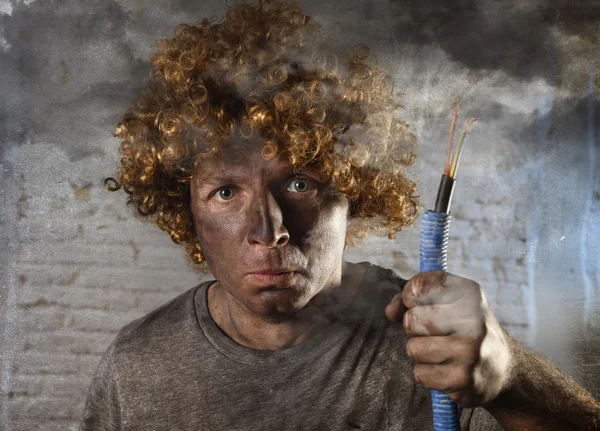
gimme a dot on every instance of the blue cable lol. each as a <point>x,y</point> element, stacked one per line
<point>433,248</point>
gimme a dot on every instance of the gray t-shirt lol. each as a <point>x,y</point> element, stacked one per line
<point>174,369</point>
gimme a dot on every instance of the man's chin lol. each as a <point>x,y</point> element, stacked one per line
<point>280,304</point>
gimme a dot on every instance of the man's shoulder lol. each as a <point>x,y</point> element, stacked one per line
<point>391,279</point>
<point>384,279</point>
<point>379,286</point>
<point>160,329</point>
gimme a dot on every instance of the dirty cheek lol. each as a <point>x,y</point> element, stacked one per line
<point>216,231</point>
<point>328,230</point>
<point>212,228</point>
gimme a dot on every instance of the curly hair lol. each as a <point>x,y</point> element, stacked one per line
<point>266,70</point>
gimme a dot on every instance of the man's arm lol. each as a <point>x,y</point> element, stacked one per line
<point>102,408</point>
<point>539,396</point>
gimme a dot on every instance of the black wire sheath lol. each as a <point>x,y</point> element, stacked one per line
<point>444,196</point>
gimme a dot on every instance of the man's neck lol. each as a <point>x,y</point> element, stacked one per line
<point>258,332</point>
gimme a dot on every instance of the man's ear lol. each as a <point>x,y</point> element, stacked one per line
<point>192,221</point>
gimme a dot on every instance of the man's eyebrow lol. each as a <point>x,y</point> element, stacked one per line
<point>231,177</point>
<point>219,178</point>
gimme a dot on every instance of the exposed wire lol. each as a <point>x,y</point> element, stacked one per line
<point>461,139</point>
<point>451,136</point>
<point>446,189</point>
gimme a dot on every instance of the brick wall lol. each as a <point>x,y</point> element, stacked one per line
<point>81,266</point>
<point>76,265</point>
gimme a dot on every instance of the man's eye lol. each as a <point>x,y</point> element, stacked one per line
<point>301,185</point>
<point>225,193</point>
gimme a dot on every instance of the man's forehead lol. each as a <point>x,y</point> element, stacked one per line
<point>242,161</point>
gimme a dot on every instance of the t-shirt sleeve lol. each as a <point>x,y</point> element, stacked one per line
<point>478,419</point>
<point>102,408</point>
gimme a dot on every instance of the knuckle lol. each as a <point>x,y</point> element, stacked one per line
<point>413,347</point>
<point>417,284</point>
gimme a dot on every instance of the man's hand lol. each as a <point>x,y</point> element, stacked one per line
<point>455,340</point>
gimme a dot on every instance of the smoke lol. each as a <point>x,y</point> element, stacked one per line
<point>93,55</point>
<point>71,68</point>
<point>522,39</point>
<point>52,64</point>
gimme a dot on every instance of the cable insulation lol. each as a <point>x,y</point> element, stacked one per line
<point>434,244</point>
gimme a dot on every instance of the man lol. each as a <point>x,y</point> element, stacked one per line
<point>264,158</point>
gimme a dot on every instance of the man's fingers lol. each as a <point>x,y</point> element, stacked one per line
<point>395,309</point>
<point>441,350</point>
<point>437,287</point>
<point>449,378</point>
<point>432,320</point>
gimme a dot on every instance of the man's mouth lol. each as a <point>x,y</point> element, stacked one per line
<point>271,277</point>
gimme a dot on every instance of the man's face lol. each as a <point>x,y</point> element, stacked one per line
<point>254,215</point>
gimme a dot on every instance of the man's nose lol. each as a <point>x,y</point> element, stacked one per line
<point>267,222</point>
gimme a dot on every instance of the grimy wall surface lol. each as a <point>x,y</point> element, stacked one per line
<point>76,266</point>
